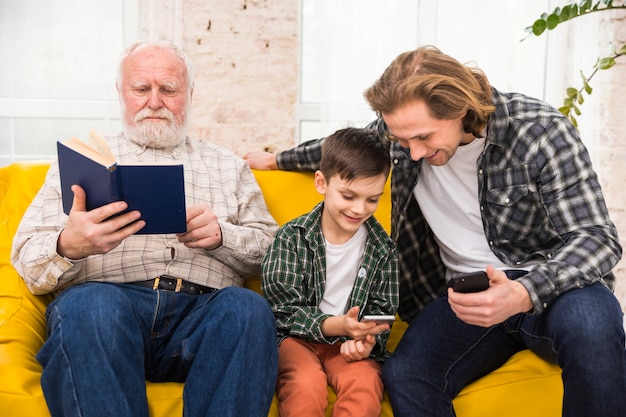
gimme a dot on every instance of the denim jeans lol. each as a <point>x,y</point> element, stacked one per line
<point>105,340</point>
<point>581,331</point>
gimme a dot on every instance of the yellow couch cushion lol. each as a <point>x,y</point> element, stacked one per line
<point>524,386</point>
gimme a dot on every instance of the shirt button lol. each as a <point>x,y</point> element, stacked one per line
<point>395,161</point>
<point>507,200</point>
<point>480,171</point>
<point>491,243</point>
<point>361,272</point>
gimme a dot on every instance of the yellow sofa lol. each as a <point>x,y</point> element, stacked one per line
<point>524,386</point>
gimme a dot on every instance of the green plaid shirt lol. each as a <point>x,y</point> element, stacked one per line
<point>540,200</point>
<point>294,278</point>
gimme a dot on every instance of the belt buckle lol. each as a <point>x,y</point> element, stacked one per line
<point>179,284</point>
<point>156,283</point>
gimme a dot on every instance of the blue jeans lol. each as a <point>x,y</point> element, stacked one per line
<point>582,332</point>
<point>105,340</point>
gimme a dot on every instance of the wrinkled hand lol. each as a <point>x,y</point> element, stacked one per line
<point>203,230</point>
<point>265,161</point>
<point>94,232</point>
<point>355,350</point>
<point>503,299</point>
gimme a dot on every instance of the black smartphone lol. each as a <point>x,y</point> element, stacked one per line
<point>469,282</point>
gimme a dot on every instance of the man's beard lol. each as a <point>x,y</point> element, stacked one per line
<point>158,134</point>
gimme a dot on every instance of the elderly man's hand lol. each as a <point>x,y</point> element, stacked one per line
<point>203,229</point>
<point>95,231</point>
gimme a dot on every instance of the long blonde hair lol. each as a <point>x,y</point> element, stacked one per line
<point>448,88</point>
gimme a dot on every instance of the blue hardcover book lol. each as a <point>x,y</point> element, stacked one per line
<point>156,190</point>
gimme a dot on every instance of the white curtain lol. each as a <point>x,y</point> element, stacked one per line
<point>346,44</point>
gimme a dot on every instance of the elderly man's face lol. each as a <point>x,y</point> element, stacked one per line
<point>155,97</point>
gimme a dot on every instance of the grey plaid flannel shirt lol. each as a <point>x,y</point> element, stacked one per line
<point>540,199</point>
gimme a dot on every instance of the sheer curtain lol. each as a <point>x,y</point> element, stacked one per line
<point>347,44</point>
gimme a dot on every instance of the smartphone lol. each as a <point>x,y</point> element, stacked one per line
<point>379,318</point>
<point>469,282</point>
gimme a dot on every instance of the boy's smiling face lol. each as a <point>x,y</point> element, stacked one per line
<point>347,204</point>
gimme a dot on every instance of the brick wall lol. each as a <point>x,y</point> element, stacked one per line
<point>245,53</point>
<point>602,122</point>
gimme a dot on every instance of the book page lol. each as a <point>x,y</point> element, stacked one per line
<point>90,152</point>
<point>98,142</point>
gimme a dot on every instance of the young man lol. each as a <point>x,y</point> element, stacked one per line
<point>501,182</point>
<point>132,308</point>
<point>324,271</point>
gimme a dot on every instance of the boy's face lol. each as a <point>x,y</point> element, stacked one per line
<point>347,204</point>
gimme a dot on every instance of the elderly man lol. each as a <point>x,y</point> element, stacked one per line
<point>135,307</point>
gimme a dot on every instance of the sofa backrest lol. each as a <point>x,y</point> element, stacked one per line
<point>287,194</point>
<point>290,194</point>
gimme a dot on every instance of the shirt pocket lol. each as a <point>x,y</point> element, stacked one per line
<point>508,196</point>
<point>515,214</point>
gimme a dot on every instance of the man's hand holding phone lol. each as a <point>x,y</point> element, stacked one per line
<point>470,282</point>
<point>501,299</point>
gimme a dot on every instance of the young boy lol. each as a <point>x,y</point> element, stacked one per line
<point>323,272</point>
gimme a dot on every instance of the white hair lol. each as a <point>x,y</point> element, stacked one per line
<point>165,45</point>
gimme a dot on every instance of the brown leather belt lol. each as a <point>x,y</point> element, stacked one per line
<point>170,283</point>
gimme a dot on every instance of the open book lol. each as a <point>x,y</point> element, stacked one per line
<point>157,190</point>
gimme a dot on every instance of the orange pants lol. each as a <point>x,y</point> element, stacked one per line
<point>305,369</point>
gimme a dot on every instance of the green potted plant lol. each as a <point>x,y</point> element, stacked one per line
<point>549,21</point>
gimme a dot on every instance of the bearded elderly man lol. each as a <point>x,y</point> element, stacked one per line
<point>113,324</point>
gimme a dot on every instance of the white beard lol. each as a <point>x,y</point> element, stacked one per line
<point>156,134</point>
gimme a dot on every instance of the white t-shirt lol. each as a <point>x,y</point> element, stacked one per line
<point>342,264</point>
<point>448,198</point>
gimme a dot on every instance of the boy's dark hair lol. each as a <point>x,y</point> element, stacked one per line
<point>354,153</point>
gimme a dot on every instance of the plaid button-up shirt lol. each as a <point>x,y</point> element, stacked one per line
<point>213,176</point>
<point>540,200</point>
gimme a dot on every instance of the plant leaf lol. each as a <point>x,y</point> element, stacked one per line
<point>580,99</point>
<point>539,27</point>
<point>552,21</point>
<point>606,63</point>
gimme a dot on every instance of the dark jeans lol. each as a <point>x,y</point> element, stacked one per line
<point>106,340</point>
<point>582,332</point>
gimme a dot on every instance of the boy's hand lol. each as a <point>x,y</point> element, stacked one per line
<point>349,325</point>
<point>356,350</point>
